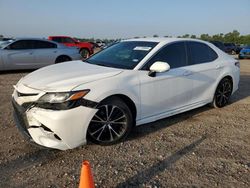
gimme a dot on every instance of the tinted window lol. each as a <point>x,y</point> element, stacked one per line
<point>174,54</point>
<point>22,44</point>
<point>57,39</point>
<point>68,40</point>
<point>44,44</point>
<point>200,53</point>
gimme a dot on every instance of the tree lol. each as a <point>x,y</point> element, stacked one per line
<point>155,35</point>
<point>232,36</point>
<point>193,36</point>
<point>186,36</point>
<point>205,37</point>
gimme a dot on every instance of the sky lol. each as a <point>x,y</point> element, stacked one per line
<point>122,18</point>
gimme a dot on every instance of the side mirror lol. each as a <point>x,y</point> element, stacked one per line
<point>158,66</point>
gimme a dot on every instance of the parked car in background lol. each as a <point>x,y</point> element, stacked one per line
<point>100,44</point>
<point>85,48</point>
<point>245,53</point>
<point>231,48</point>
<point>3,40</point>
<point>219,45</point>
<point>29,53</point>
<point>132,82</point>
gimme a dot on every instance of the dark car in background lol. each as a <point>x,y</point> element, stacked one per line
<point>231,48</point>
<point>219,44</point>
<point>245,53</point>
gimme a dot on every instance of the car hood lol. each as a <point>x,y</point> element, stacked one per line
<point>66,76</point>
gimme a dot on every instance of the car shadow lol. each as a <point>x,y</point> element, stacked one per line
<point>145,129</point>
<point>38,157</point>
<point>25,71</point>
<point>244,89</point>
<point>144,176</point>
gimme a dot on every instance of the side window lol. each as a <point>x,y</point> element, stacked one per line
<point>22,45</point>
<point>68,40</point>
<point>200,53</point>
<point>57,39</point>
<point>174,54</point>
<point>44,44</point>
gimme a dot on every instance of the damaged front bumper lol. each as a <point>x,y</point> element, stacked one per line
<point>59,129</point>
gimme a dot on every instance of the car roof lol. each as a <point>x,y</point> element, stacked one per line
<point>62,36</point>
<point>41,39</point>
<point>163,39</point>
<point>31,38</point>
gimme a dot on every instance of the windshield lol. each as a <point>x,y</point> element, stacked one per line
<point>4,43</point>
<point>125,55</point>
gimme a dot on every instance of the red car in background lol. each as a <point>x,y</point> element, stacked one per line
<point>85,48</point>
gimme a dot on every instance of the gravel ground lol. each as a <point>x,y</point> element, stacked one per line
<point>205,147</point>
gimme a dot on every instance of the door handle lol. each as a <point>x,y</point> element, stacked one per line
<point>187,73</point>
<point>31,53</point>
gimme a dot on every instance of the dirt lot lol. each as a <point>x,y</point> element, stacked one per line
<point>205,147</point>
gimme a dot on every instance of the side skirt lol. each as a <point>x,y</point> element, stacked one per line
<point>171,113</point>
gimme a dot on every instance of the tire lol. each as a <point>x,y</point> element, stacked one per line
<point>111,124</point>
<point>63,58</point>
<point>240,57</point>
<point>222,93</point>
<point>84,53</point>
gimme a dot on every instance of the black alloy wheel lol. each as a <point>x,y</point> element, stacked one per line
<point>222,93</point>
<point>111,123</point>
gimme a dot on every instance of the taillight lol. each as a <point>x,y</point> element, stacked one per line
<point>237,64</point>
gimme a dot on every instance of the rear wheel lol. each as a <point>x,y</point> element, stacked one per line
<point>111,123</point>
<point>222,93</point>
<point>84,53</point>
<point>63,58</point>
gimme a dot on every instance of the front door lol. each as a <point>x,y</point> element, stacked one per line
<point>169,90</point>
<point>18,55</point>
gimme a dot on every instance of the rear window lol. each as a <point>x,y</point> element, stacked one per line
<point>200,53</point>
<point>57,39</point>
<point>44,44</point>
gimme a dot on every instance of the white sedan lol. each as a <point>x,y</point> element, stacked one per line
<point>130,83</point>
<point>32,53</point>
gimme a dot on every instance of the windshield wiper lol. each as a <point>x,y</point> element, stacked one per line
<point>101,64</point>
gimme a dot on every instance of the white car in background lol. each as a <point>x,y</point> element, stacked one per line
<point>130,83</point>
<point>28,53</point>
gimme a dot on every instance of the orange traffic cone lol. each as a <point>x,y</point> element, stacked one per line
<point>86,178</point>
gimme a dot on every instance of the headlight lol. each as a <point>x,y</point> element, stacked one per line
<point>61,97</point>
<point>62,100</point>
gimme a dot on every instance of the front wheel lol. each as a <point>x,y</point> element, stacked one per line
<point>111,123</point>
<point>222,93</point>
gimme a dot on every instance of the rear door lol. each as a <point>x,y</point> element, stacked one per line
<point>45,53</point>
<point>205,68</point>
<point>19,55</point>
